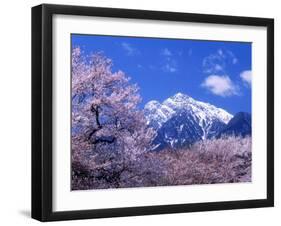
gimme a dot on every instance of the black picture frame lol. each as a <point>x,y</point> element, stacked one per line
<point>42,111</point>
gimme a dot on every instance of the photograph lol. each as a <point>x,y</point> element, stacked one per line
<point>150,112</point>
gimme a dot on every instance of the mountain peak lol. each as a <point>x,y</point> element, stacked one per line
<point>180,119</point>
<point>180,96</point>
<point>178,101</point>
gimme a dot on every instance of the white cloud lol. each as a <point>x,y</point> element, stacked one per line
<point>166,52</point>
<point>169,68</point>
<point>246,76</point>
<point>130,50</point>
<point>214,63</point>
<point>220,85</point>
<point>169,63</point>
<point>220,52</point>
<point>218,67</point>
<point>218,62</point>
<point>232,57</point>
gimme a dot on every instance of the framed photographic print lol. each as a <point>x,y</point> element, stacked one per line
<point>145,112</point>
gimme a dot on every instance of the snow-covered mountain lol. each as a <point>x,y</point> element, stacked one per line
<point>180,120</point>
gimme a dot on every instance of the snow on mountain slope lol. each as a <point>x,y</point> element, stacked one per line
<point>203,110</point>
<point>181,120</point>
<point>157,113</point>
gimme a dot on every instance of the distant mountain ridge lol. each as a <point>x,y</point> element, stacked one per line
<point>181,120</point>
<point>239,125</point>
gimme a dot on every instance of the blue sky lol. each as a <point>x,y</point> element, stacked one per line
<point>211,71</point>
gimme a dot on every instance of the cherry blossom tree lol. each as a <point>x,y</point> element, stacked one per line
<point>211,161</point>
<point>109,132</point>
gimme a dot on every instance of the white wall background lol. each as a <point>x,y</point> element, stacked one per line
<point>15,105</point>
